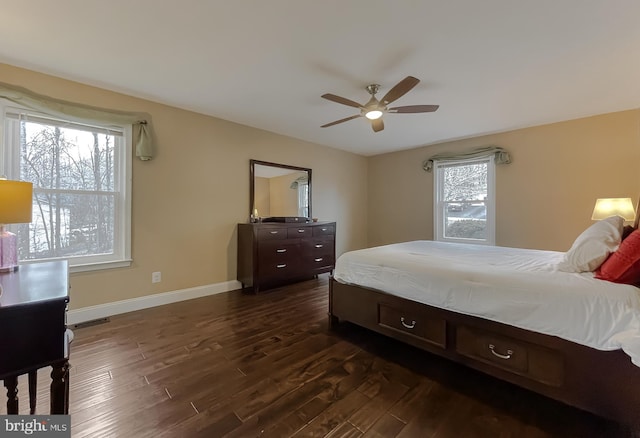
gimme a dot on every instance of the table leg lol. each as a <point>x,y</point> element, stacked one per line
<point>59,388</point>
<point>11,383</point>
<point>33,391</point>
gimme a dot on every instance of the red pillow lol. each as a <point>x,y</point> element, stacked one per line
<point>623,266</point>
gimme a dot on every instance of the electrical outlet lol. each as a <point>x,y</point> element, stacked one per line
<point>156,277</point>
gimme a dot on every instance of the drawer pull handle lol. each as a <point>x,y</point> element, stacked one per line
<point>319,259</point>
<point>283,265</point>
<point>273,232</point>
<point>409,326</point>
<point>323,229</point>
<point>319,245</point>
<point>281,250</point>
<point>301,231</point>
<point>501,356</point>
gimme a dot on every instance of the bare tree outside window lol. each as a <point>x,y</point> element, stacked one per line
<point>463,190</point>
<point>72,171</point>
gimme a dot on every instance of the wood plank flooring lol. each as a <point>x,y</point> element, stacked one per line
<point>240,365</point>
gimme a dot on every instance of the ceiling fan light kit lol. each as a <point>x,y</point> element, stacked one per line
<point>373,114</point>
<point>374,109</point>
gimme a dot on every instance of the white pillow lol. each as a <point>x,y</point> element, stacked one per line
<point>593,246</point>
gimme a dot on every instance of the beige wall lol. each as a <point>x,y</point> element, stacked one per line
<point>284,199</point>
<point>262,196</point>
<point>544,197</point>
<point>189,198</point>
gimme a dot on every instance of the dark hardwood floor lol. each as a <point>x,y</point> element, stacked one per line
<point>240,365</point>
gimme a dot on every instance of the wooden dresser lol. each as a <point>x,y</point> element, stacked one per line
<point>271,254</point>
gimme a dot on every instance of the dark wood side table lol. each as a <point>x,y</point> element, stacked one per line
<point>33,306</point>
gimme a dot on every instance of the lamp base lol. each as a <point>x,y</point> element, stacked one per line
<point>8,251</point>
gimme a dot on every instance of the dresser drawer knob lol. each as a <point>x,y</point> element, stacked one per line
<point>301,231</point>
<point>319,259</point>
<point>501,356</point>
<point>319,245</point>
<point>409,326</point>
<point>323,229</point>
<point>273,232</point>
<point>281,250</point>
<point>283,265</point>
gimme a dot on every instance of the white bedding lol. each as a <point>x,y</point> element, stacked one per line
<point>519,287</point>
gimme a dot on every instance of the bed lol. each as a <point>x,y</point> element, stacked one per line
<point>511,313</point>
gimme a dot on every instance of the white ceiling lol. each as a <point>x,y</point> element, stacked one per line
<point>491,65</point>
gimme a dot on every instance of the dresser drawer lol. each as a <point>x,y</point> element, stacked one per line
<point>423,327</point>
<point>298,232</point>
<point>320,262</point>
<point>274,267</point>
<point>278,250</point>
<point>533,361</point>
<point>272,234</point>
<point>321,245</point>
<point>324,230</point>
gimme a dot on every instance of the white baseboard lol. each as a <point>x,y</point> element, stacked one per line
<point>91,313</point>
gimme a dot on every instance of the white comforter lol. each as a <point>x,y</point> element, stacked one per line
<point>519,287</point>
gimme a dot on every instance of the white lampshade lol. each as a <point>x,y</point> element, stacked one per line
<point>607,207</point>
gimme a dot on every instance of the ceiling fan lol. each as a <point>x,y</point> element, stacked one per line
<point>374,109</point>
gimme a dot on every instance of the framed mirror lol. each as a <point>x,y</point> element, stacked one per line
<point>279,191</point>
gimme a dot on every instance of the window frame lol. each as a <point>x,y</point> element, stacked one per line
<point>10,167</point>
<point>303,199</point>
<point>439,207</point>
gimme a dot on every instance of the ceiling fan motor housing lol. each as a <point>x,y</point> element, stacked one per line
<point>375,109</point>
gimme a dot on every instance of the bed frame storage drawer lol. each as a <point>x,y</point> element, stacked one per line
<point>530,360</point>
<point>422,326</point>
<point>603,382</point>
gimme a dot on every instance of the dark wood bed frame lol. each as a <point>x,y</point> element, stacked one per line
<point>603,382</point>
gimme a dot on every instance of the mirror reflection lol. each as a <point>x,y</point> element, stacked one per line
<point>280,190</point>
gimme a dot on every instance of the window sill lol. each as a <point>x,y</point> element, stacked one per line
<point>88,267</point>
<point>463,240</point>
<point>100,266</point>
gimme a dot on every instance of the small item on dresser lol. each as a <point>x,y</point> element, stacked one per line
<point>315,219</point>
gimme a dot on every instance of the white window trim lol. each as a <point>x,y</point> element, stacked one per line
<point>303,203</point>
<point>439,210</point>
<point>122,247</point>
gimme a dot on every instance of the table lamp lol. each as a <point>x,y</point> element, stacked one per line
<point>607,207</point>
<point>15,208</point>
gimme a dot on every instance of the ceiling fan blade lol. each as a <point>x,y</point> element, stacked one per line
<point>377,125</point>
<point>342,100</point>
<point>400,89</point>
<point>341,121</point>
<point>414,109</point>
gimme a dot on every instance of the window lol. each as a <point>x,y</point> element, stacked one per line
<point>303,199</point>
<point>81,188</point>
<point>464,209</point>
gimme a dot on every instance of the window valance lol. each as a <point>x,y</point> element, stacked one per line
<point>501,156</point>
<point>80,113</point>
